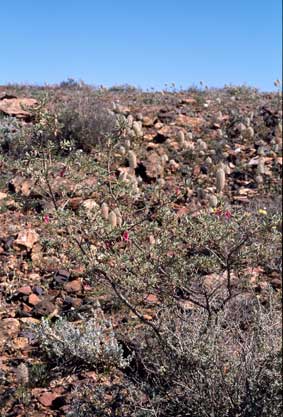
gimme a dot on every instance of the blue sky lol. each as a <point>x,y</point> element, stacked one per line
<point>143,43</point>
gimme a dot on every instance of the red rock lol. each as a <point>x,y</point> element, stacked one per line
<point>188,100</point>
<point>149,121</point>
<point>26,308</point>
<point>47,398</point>
<point>151,298</point>
<point>17,107</point>
<point>26,238</point>
<point>25,290</point>
<point>167,131</point>
<point>186,121</point>
<point>73,286</point>
<point>21,342</point>
<point>33,299</point>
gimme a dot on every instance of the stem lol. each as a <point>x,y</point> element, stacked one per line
<point>127,303</point>
<point>45,173</point>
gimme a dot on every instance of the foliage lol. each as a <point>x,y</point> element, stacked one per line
<point>93,342</point>
<point>13,135</point>
<point>239,359</point>
<point>197,333</point>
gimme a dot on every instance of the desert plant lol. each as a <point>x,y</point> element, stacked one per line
<point>189,285</point>
<point>105,211</point>
<point>87,123</point>
<point>14,136</point>
<point>239,355</point>
<point>220,180</point>
<point>112,219</point>
<point>260,167</point>
<point>132,159</point>
<point>92,342</point>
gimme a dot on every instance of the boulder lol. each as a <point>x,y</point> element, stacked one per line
<point>18,107</point>
<point>26,239</point>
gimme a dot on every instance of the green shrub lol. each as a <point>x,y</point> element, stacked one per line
<point>86,122</point>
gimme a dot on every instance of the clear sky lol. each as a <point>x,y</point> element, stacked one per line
<point>145,43</point>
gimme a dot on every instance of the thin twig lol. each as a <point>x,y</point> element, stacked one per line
<point>127,303</point>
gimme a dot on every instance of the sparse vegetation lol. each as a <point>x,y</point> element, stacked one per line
<point>142,256</point>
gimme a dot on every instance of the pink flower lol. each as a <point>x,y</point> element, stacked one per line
<point>228,214</point>
<point>46,219</point>
<point>125,236</point>
<point>87,287</point>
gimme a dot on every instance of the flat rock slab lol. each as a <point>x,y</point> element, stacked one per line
<point>26,238</point>
<point>17,107</point>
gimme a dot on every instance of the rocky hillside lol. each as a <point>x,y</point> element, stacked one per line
<point>140,252</point>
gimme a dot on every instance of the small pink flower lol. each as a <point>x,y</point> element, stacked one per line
<point>228,214</point>
<point>46,219</point>
<point>125,236</point>
<point>218,212</point>
<point>87,287</point>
